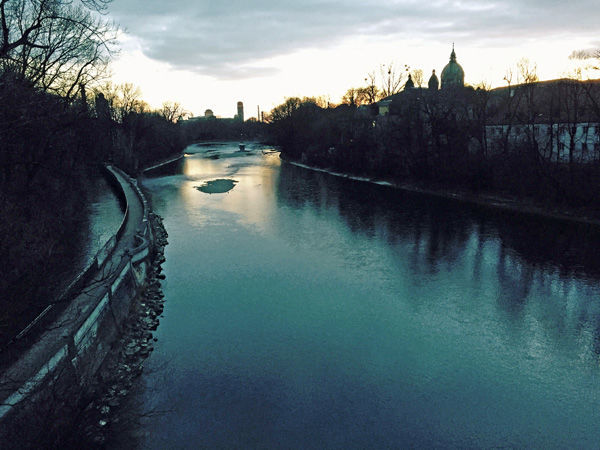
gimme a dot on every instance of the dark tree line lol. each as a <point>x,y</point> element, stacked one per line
<point>523,141</point>
<point>133,134</point>
<point>43,145</point>
<point>55,130</point>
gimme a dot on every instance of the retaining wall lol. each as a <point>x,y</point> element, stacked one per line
<point>59,368</point>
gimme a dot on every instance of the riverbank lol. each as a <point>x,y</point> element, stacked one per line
<point>103,409</point>
<point>491,200</point>
<point>42,390</point>
<point>106,411</point>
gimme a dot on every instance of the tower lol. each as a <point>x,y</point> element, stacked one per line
<point>433,83</point>
<point>240,111</point>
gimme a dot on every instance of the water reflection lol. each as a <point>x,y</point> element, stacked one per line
<point>305,310</point>
<point>517,259</point>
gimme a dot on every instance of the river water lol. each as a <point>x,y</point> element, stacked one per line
<point>305,310</point>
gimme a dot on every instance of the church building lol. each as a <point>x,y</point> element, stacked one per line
<point>453,76</point>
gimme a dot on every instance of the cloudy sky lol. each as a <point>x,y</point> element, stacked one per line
<point>210,54</point>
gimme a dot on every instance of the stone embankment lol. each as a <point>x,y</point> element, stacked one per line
<point>102,408</point>
<point>41,393</point>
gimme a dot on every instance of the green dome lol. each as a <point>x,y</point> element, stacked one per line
<point>453,74</point>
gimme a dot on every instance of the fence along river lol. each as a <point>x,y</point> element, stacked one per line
<point>305,310</point>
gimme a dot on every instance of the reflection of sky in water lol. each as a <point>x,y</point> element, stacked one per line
<point>251,200</point>
<point>309,311</point>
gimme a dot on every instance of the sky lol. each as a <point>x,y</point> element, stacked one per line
<point>211,54</point>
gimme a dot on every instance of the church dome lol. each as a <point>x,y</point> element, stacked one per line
<point>453,75</point>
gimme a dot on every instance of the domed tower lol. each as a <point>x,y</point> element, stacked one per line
<point>453,75</point>
<point>434,83</point>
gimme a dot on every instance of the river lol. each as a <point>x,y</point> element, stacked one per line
<point>305,310</point>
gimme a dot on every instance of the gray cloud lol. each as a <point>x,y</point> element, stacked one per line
<point>223,39</point>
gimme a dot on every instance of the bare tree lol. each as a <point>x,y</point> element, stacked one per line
<point>509,107</point>
<point>417,77</point>
<point>527,71</point>
<point>481,108</point>
<point>356,96</point>
<point>371,89</point>
<point>588,60</point>
<point>123,99</point>
<point>172,111</point>
<point>573,111</point>
<point>322,101</point>
<point>530,114</point>
<point>57,44</point>
<point>391,79</point>
<point>285,110</point>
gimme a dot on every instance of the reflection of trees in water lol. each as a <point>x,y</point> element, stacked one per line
<point>440,226</point>
<point>567,247</point>
<point>435,227</point>
<point>556,259</point>
<point>531,257</point>
<point>515,282</point>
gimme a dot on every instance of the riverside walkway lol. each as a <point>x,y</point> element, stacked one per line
<point>69,329</point>
<point>135,212</point>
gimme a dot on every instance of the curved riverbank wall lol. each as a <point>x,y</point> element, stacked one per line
<point>41,390</point>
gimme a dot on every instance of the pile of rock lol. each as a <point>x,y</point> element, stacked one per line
<point>125,361</point>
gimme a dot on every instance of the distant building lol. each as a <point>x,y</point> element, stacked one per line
<point>560,119</point>
<point>240,111</point>
<point>557,120</point>
<point>208,114</point>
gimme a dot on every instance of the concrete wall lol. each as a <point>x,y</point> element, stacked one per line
<point>58,370</point>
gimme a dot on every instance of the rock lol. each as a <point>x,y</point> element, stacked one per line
<point>119,372</point>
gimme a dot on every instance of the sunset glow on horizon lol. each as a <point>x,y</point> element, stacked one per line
<point>247,53</point>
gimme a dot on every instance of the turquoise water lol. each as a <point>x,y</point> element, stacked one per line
<point>308,311</point>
